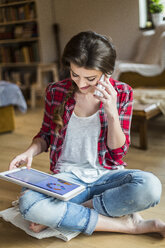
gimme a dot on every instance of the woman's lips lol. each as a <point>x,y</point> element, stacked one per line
<point>84,88</point>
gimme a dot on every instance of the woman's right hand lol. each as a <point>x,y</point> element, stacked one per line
<point>23,158</point>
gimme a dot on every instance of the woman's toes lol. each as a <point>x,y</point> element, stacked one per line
<point>36,227</point>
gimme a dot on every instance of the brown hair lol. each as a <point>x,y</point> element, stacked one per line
<point>91,51</point>
<point>59,111</point>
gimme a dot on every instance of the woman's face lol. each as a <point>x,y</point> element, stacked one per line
<point>84,78</point>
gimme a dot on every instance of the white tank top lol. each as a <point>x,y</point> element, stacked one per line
<point>80,148</point>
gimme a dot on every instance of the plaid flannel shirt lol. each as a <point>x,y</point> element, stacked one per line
<point>108,158</point>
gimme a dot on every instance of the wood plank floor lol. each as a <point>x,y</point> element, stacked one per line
<point>152,160</point>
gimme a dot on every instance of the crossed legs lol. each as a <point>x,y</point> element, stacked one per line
<point>123,222</point>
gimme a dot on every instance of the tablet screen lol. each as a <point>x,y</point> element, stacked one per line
<point>44,181</point>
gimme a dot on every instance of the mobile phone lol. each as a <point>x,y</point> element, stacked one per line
<point>98,93</point>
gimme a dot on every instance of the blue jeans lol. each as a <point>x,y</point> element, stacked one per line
<point>115,194</point>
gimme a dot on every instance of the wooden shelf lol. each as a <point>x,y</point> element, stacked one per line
<point>16,3</point>
<point>21,64</point>
<point>26,39</point>
<point>10,41</point>
<point>17,22</point>
<point>20,42</point>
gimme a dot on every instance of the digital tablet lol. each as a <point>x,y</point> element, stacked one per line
<point>43,182</point>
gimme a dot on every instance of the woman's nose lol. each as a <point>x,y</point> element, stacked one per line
<point>81,82</point>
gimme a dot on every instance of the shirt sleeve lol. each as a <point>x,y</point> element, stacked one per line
<point>125,117</point>
<point>45,130</point>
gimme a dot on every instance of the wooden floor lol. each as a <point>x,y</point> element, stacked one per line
<point>151,160</point>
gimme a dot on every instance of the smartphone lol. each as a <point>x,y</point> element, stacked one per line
<point>98,93</point>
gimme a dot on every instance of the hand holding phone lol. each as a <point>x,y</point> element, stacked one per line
<point>98,93</point>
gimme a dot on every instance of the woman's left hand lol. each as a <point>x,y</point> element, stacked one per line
<point>108,98</point>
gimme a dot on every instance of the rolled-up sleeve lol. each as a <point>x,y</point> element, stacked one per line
<point>125,117</point>
<point>45,130</point>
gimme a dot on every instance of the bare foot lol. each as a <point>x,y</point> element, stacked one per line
<point>36,227</point>
<point>131,224</point>
<point>149,226</point>
<point>139,225</point>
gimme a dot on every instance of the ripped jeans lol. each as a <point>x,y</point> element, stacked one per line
<point>117,193</point>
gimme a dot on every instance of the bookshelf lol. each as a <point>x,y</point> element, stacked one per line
<point>26,39</point>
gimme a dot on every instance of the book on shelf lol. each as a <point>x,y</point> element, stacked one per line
<point>19,54</point>
<point>18,31</point>
<point>27,78</point>
<point>9,1</point>
<point>15,77</point>
<point>35,52</point>
<point>17,12</point>
<point>30,30</point>
<point>6,33</point>
<point>3,1</point>
<point>5,55</point>
<point>26,56</point>
<point>22,79</point>
<point>27,30</point>
<point>2,15</point>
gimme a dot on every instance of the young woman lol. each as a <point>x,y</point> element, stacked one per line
<point>88,135</point>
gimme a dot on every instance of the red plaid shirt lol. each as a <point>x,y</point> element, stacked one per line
<point>108,158</point>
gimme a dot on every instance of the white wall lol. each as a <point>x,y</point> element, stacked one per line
<point>47,40</point>
<point>116,18</point>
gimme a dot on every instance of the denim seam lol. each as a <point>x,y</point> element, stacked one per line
<point>85,227</point>
<point>103,205</point>
<point>27,210</point>
<point>89,192</point>
<point>119,179</point>
<point>58,225</point>
<point>90,195</point>
<point>90,226</point>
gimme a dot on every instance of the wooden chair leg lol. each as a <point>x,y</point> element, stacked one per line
<point>39,87</point>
